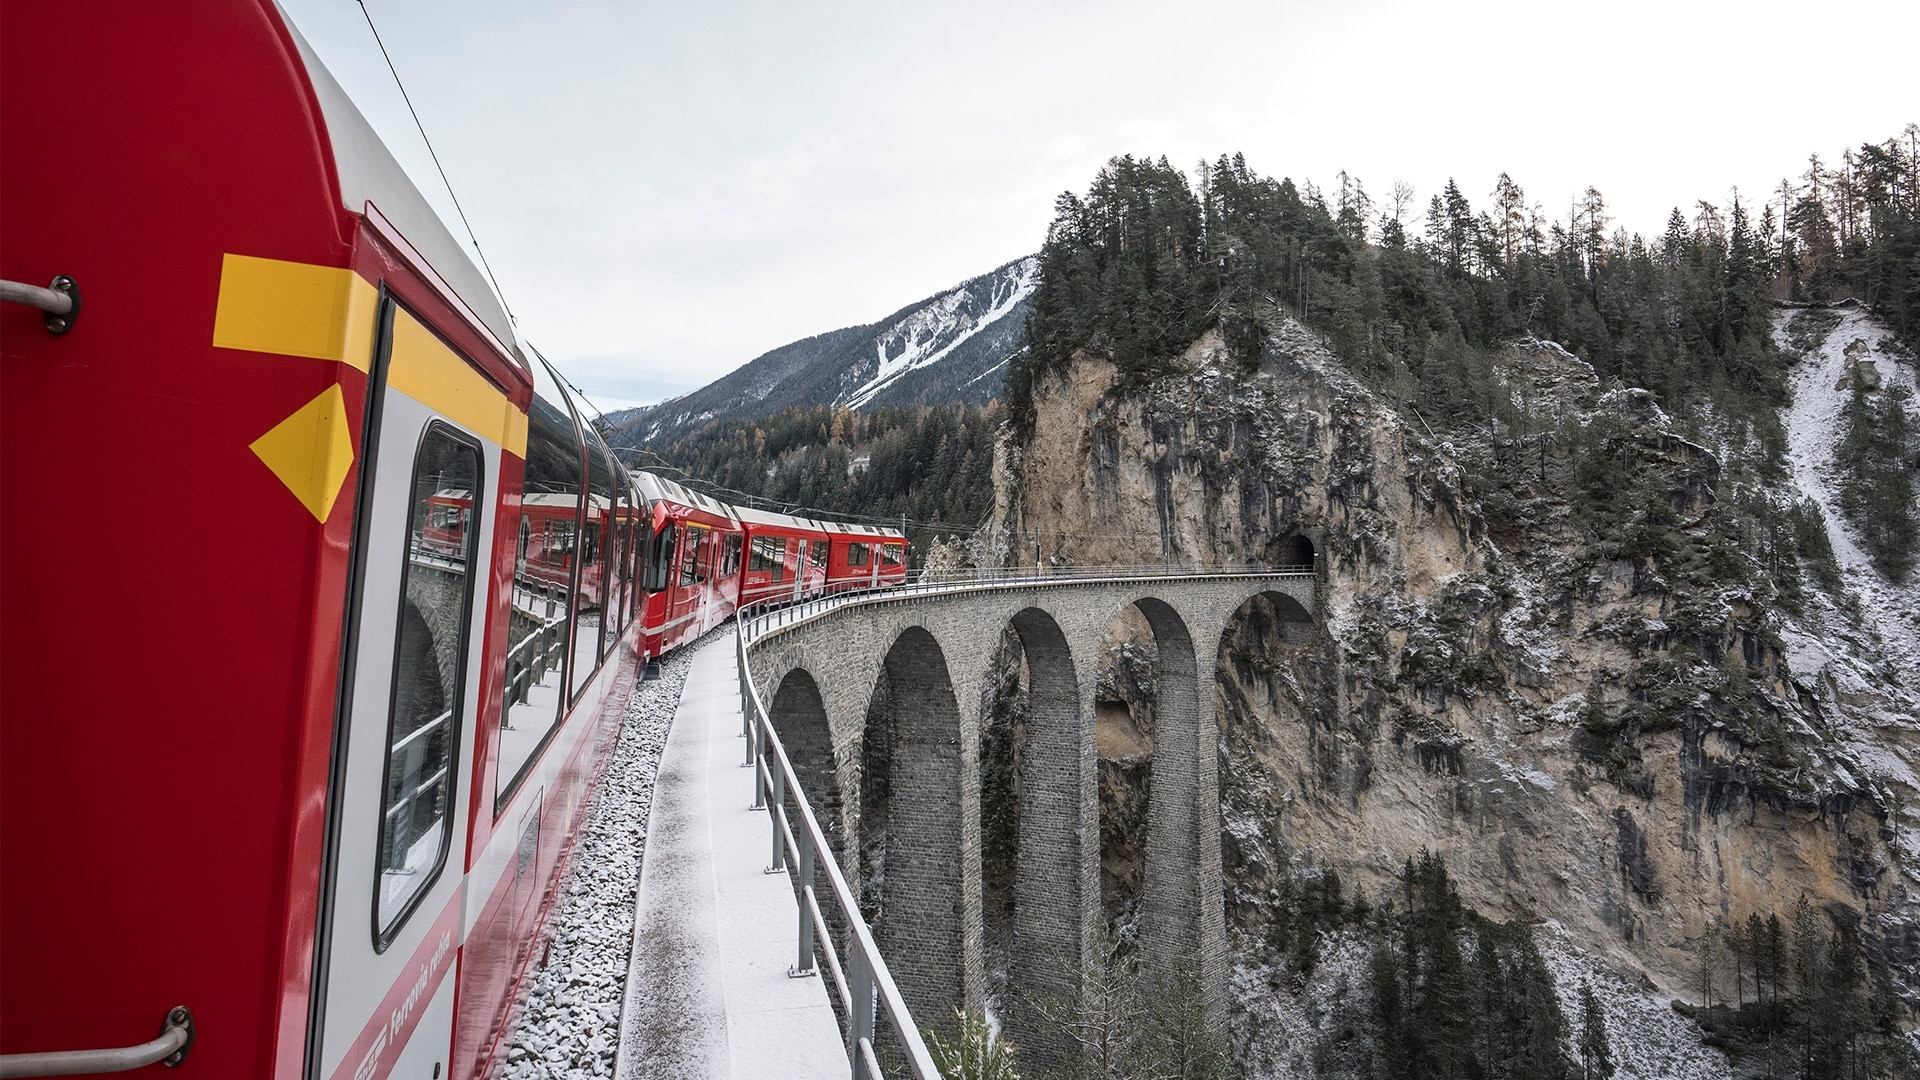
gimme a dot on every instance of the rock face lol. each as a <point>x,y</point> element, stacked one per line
<point>1603,741</point>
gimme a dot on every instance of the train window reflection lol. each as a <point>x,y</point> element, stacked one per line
<point>660,565</point>
<point>591,635</point>
<point>690,562</point>
<point>542,587</point>
<point>417,801</point>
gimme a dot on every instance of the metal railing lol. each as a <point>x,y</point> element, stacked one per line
<point>399,828</point>
<point>765,617</point>
<point>862,982</point>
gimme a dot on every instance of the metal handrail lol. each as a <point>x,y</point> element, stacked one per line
<point>58,302</point>
<point>169,1048</point>
<point>768,616</point>
<point>866,977</point>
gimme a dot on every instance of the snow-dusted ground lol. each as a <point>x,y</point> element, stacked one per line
<point>1822,385</point>
<point>569,1025</point>
<point>1279,1030</point>
<point>1648,1039</point>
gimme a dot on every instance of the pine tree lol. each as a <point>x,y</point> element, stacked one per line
<point>1596,1054</point>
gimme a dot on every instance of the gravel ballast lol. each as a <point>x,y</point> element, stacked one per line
<point>569,1025</point>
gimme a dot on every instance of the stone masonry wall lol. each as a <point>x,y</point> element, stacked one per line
<point>935,651</point>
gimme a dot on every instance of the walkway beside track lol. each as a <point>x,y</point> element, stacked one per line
<point>708,993</point>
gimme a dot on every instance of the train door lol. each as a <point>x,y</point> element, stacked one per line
<point>391,921</point>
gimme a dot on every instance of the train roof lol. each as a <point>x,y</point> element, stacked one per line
<point>771,519</point>
<point>368,175</point>
<point>655,488</point>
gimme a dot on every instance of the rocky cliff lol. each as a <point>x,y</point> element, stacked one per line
<point>1630,737</point>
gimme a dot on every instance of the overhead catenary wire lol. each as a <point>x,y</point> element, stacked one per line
<point>448,184</point>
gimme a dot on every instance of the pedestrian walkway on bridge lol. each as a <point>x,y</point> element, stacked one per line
<point>708,994</point>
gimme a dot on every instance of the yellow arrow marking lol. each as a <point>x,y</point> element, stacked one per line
<point>311,451</point>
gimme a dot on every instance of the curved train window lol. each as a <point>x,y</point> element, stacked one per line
<point>542,586</point>
<point>417,800</point>
<point>660,566</point>
<point>590,633</point>
<point>620,551</point>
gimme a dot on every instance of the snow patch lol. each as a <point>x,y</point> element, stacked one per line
<point>930,334</point>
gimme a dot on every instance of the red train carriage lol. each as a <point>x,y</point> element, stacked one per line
<point>691,565</point>
<point>324,803</point>
<point>786,556</point>
<point>864,557</point>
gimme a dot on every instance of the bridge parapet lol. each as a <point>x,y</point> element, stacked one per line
<point>918,656</point>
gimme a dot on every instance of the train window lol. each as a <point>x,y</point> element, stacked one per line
<point>666,544</point>
<point>856,554</point>
<point>689,562</point>
<point>603,478</point>
<point>732,565</point>
<point>894,554</point>
<point>817,555</point>
<point>423,727</point>
<point>769,556</point>
<point>542,587</point>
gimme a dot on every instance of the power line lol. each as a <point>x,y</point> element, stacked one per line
<point>799,509</point>
<point>422,128</point>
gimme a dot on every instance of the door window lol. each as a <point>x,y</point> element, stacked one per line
<point>428,672</point>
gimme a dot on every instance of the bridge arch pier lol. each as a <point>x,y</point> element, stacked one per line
<point>916,649</point>
<point>1182,926</point>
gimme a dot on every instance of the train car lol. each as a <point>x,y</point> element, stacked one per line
<point>786,556</point>
<point>865,557</point>
<point>317,816</point>
<point>691,566</point>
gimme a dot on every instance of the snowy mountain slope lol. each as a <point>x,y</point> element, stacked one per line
<point>950,347</point>
<point>1863,675</point>
<point>945,324</point>
<point>1821,385</point>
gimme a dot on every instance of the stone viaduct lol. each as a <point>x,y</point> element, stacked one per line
<point>927,655</point>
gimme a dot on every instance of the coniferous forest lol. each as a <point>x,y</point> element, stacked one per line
<point>931,465</point>
<point>1418,300</point>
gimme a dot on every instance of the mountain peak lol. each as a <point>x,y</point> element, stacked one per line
<point>951,347</point>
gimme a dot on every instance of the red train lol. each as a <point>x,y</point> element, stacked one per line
<point>320,789</point>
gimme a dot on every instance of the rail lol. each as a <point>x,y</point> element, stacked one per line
<point>169,1048</point>
<point>861,981</point>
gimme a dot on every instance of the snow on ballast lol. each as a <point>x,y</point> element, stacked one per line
<point>569,1026</point>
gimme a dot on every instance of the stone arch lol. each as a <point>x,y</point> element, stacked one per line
<point>1259,657</point>
<point>1041,919</point>
<point>1180,931</point>
<point>926,931</point>
<point>1183,939</point>
<point>799,713</point>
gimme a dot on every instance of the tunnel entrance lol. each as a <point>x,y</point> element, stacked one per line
<point>1291,552</point>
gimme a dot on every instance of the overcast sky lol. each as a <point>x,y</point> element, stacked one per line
<point>667,190</point>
